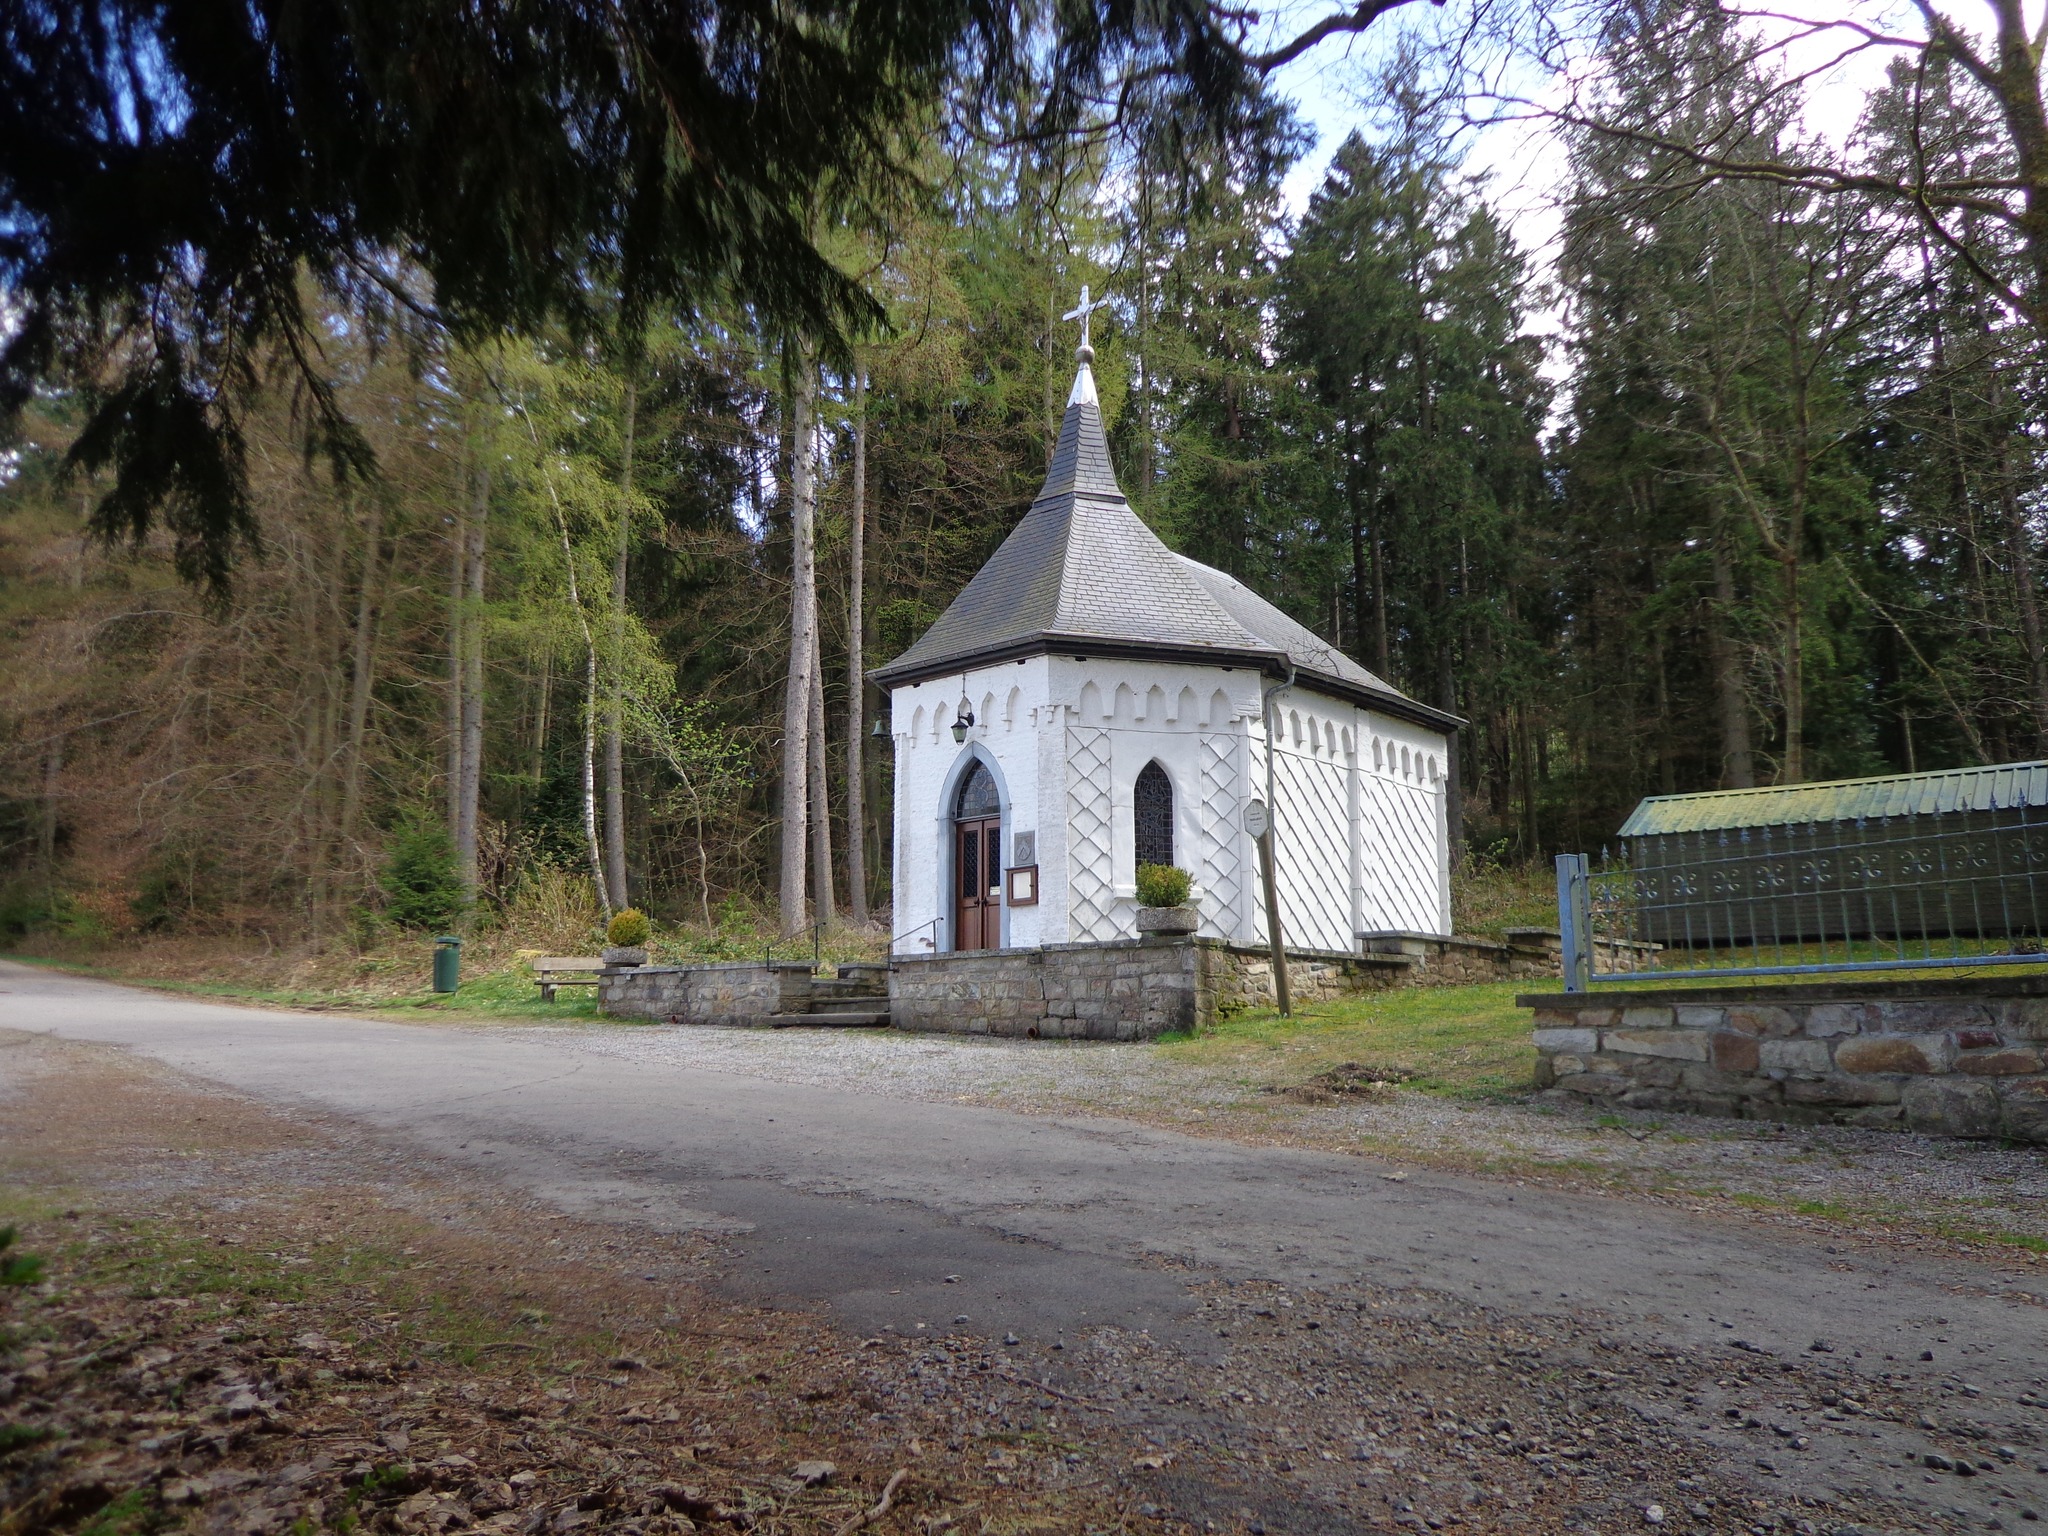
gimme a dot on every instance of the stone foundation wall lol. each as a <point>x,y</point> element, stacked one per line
<point>738,992</point>
<point>1136,989</point>
<point>1236,979</point>
<point>1128,989</point>
<point>1528,954</point>
<point>1958,1058</point>
<point>1118,991</point>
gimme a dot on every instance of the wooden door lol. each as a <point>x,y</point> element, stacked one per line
<point>978,883</point>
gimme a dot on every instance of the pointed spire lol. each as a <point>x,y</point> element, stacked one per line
<point>1083,392</point>
<point>1080,458</point>
<point>1082,568</point>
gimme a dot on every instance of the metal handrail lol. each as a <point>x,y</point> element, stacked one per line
<point>930,922</point>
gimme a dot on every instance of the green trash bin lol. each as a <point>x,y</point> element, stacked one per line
<point>447,963</point>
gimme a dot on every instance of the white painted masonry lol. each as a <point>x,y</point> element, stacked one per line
<point>1085,650</point>
<point>1360,833</point>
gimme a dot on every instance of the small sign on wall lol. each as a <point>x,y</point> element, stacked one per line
<point>1023,885</point>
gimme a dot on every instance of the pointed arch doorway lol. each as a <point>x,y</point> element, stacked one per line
<point>978,862</point>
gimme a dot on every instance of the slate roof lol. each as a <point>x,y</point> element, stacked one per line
<point>1083,574</point>
<point>2000,787</point>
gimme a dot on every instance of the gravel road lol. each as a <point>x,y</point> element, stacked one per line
<point>1389,1344</point>
<point>1922,1181</point>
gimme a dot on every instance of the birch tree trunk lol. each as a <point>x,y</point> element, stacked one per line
<point>590,843</point>
<point>604,895</point>
<point>803,621</point>
<point>614,735</point>
<point>856,683</point>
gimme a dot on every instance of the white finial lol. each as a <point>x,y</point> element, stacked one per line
<point>1081,312</point>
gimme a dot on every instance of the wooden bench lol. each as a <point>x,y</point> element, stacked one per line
<point>552,971</point>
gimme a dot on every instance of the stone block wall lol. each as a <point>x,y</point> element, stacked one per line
<point>1116,991</point>
<point>1136,989</point>
<point>1127,989</point>
<point>1959,1058</point>
<point>742,992</point>
<point>1236,978</point>
<point>1528,954</point>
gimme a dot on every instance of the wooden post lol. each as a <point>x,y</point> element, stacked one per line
<point>1267,717</point>
<point>1280,989</point>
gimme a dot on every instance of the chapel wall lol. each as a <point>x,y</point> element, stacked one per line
<point>1403,771</point>
<point>1012,716</point>
<point>1119,716</point>
<point>1361,823</point>
<point>1319,857</point>
<point>1361,826</point>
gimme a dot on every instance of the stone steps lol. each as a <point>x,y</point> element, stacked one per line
<point>839,986</point>
<point>840,1018</point>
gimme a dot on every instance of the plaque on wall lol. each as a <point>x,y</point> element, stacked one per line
<point>1024,848</point>
<point>1023,885</point>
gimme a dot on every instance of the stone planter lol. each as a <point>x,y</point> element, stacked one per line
<point>619,958</point>
<point>1169,922</point>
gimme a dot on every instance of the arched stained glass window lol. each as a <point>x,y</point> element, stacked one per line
<point>1152,813</point>
<point>977,796</point>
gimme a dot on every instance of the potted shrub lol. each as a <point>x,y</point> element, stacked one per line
<point>627,938</point>
<point>1163,904</point>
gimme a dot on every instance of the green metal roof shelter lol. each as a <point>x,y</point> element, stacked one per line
<point>2002,786</point>
<point>1957,853</point>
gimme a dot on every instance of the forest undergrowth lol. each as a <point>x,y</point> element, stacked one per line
<point>552,912</point>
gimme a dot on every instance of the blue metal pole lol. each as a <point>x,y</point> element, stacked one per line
<point>1574,925</point>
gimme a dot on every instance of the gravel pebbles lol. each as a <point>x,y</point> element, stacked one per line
<point>1940,1189</point>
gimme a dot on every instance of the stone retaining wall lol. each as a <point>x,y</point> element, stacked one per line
<point>1121,991</point>
<point>1130,989</point>
<point>739,992</point>
<point>1528,954</point>
<point>1959,1058</point>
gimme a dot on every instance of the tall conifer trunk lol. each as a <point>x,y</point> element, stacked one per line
<point>824,895</point>
<point>1731,699</point>
<point>472,754</point>
<point>362,668</point>
<point>614,733</point>
<point>803,620</point>
<point>458,585</point>
<point>856,682</point>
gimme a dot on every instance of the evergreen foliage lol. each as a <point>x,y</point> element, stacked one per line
<point>1163,885</point>
<point>422,886</point>
<point>1771,505</point>
<point>170,172</point>
<point>628,929</point>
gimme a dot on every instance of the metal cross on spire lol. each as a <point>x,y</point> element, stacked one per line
<point>1081,312</point>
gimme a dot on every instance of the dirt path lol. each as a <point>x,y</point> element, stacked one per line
<point>1294,1335</point>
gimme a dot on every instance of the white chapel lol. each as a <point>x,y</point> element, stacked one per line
<point>1092,701</point>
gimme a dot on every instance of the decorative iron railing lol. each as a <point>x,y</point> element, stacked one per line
<point>1938,892</point>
